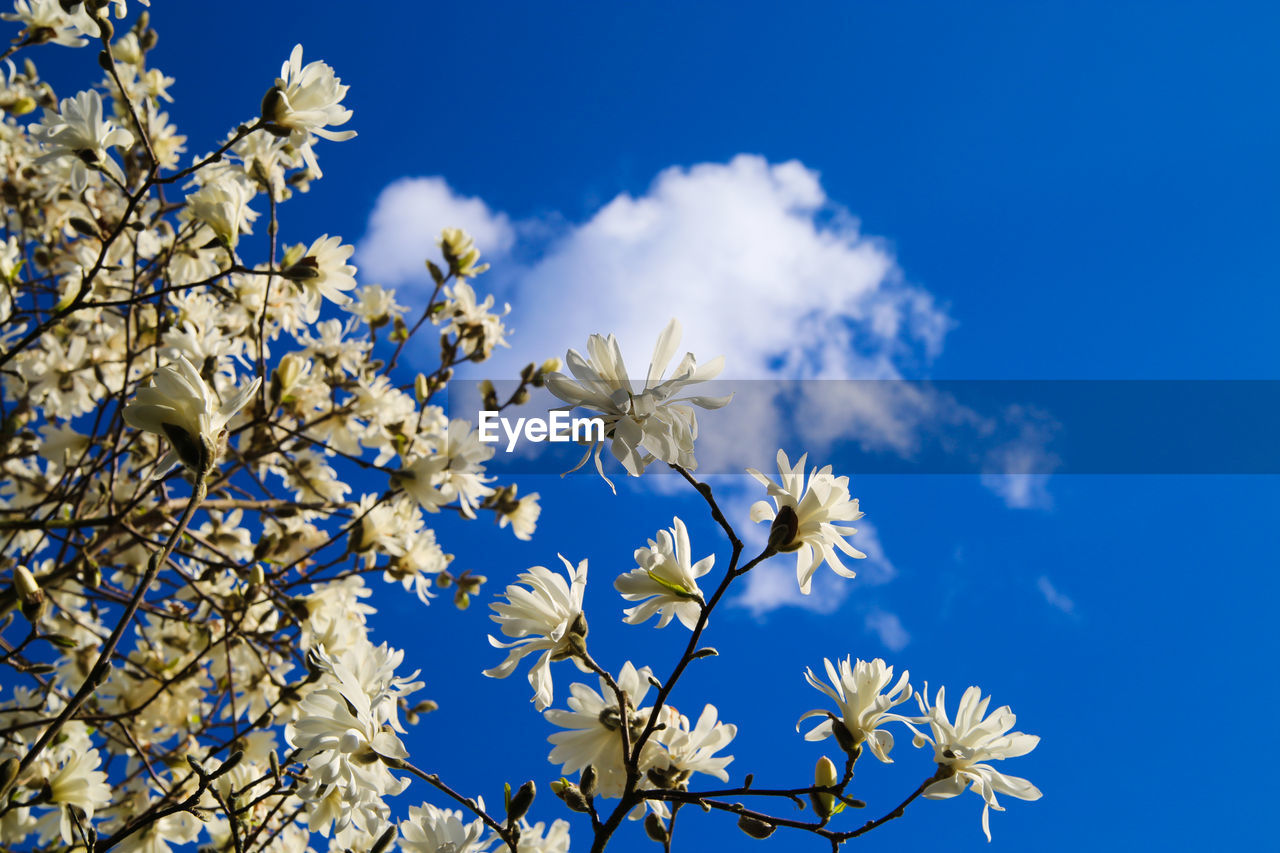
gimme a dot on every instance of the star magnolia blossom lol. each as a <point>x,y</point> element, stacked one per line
<point>964,747</point>
<point>645,425</point>
<point>306,100</point>
<point>859,691</point>
<point>546,617</point>
<point>79,130</point>
<point>179,406</point>
<point>591,729</point>
<point>805,516</point>
<point>346,725</point>
<point>666,580</point>
<point>433,830</point>
<point>692,750</point>
<point>330,276</point>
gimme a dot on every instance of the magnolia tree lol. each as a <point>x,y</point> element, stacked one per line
<point>187,403</point>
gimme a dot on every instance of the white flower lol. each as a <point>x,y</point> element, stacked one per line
<point>222,203</point>
<point>521,514</point>
<point>78,783</point>
<point>645,425</point>
<point>546,617</point>
<point>181,407</point>
<point>538,838</point>
<point>805,514</point>
<point>307,99</point>
<point>963,748</point>
<point>477,327</point>
<point>433,830</point>
<point>451,470</point>
<point>79,130</point>
<point>328,275</point>
<point>346,726</point>
<point>45,21</point>
<point>859,691</point>
<point>592,725</point>
<point>667,578</point>
<point>692,750</point>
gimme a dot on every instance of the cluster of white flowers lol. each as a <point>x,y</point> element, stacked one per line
<point>197,665</point>
<point>961,749</point>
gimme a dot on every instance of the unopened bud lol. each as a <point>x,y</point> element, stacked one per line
<point>587,781</point>
<point>754,827</point>
<point>521,801</point>
<point>824,776</point>
<point>28,590</point>
<point>271,103</point>
<point>655,828</point>
<point>571,794</point>
<point>421,388</point>
<point>551,365</point>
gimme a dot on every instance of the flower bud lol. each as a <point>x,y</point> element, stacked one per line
<point>29,593</point>
<point>587,781</point>
<point>754,827</point>
<point>655,828</point>
<point>824,776</point>
<point>571,794</point>
<point>521,801</point>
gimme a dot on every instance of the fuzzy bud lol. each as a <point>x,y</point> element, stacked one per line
<point>754,827</point>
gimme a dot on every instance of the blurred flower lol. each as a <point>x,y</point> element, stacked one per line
<point>804,518</point>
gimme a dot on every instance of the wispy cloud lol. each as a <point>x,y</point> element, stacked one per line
<point>1055,598</point>
<point>888,627</point>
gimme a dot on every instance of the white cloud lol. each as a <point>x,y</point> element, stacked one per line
<point>1055,598</point>
<point>759,264</point>
<point>406,223</point>
<point>888,627</point>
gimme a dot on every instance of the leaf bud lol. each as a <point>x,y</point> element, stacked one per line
<point>655,828</point>
<point>754,827</point>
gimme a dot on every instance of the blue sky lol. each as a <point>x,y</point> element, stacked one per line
<point>1024,190</point>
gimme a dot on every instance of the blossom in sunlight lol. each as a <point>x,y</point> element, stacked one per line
<point>807,517</point>
<point>433,830</point>
<point>591,729</point>
<point>475,325</point>
<point>79,784</point>
<point>324,272</point>
<point>692,750</point>
<point>963,748</point>
<point>346,726</point>
<point>45,21</point>
<point>545,615</point>
<point>179,406</point>
<point>222,203</point>
<point>540,838</point>
<point>859,690</point>
<point>666,580</point>
<point>641,426</point>
<point>452,469</point>
<point>307,100</point>
<point>78,129</point>
<point>521,513</point>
